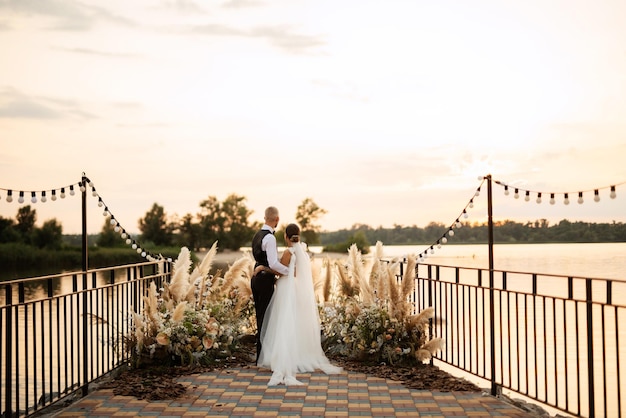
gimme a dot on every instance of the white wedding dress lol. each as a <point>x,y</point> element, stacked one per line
<point>291,341</point>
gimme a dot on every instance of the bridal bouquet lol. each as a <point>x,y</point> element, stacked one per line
<point>196,317</point>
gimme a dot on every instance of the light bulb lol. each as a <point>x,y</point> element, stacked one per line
<point>506,190</point>
<point>516,194</point>
<point>613,195</point>
<point>20,199</point>
<point>458,224</point>
<point>527,198</point>
<point>143,253</point>
<point>438,245</point>
<point>117,228</point>
<point>566,200</point>
<point>90,183</point>
<point>82,188</point>
<point>54,196</point>
<point>44,199</point>
<point>580,198</point>
<point>113,221</point>
<point>552,201</point>
<point>128,241</point>
<point>477,193</point>
<point>465,215</point>
<point>100,204</point>
<point>93,193</point>
<point>538,199</point>
<point>9,198</point>
<point>134,246</point>
<point>62,193</point>
<point>451,233</point>
<point>72,192</point>
<point>444,240</point>
<point>480,177</point>
<point>123,235</point>
<point>138,250</point>
<point>471,205</point>
<point>33,197</point>
<point>596,198</point>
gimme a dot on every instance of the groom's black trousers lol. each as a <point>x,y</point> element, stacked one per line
<point>262,290</point>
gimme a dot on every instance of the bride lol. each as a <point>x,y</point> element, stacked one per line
<point>290,336</point>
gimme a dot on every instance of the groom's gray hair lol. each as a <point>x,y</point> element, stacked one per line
<point>271,213</point>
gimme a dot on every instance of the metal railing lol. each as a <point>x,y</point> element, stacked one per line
<point>553,339</point>
<point>61,332</point>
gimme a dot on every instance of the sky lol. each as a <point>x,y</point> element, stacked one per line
<point>383,112</point>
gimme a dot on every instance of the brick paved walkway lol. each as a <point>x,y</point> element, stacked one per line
<point>243,392</point>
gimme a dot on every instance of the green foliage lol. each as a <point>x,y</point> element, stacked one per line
<point>109,237</point>
<point>154,226</point>
<point>359,238</point>
<point>50,235</point>
<point>307,214</point>
<point>226,222</point>
<point>507,231</point>
<point>26,219</point>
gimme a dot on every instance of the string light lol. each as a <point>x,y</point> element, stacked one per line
<point>527,197</point>
<point>72,190</point>
<point>54,195</point>
<point>10,196</point>
<point>580,200</point>
<point>43,197</point>
<point>21,198</point>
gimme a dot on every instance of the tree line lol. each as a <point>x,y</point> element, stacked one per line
<point>229,223</point>
<point>507,231</point>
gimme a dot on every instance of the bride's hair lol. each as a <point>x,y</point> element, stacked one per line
<point>293,232</point>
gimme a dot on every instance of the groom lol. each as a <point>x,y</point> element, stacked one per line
<point>265,252</point>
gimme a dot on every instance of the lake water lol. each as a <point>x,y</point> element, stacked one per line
<point>601,260</point>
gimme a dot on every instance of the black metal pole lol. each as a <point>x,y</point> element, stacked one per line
<point>85,386</point>
<point>84,211</point>
<point>492,339</point>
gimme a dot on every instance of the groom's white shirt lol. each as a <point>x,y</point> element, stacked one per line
<point>271,249</point>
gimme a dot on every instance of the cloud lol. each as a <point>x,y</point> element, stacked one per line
<point>283,37</point>
<point>15,105</point>
<point>241,4</point>
<point>183,6</point>
<point>87,51</point>
<point>66,15</point>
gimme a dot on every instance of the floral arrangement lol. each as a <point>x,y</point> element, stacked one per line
<point>365,310</point>
<point>370,317</point>
<point>197,317</point>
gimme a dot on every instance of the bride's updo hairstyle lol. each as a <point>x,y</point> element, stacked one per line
<point>293,232</point>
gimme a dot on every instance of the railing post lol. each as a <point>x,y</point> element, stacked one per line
<point>492,337</point>
<point>590,358</point>
<point>8,376</point>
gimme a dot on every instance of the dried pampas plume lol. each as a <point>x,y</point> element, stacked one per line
<point>180,275</point>
<point>240,268</point>
<point>179,312</point>
<point>328,279</point>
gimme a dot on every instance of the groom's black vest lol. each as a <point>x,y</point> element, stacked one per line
<point>259,255</point>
